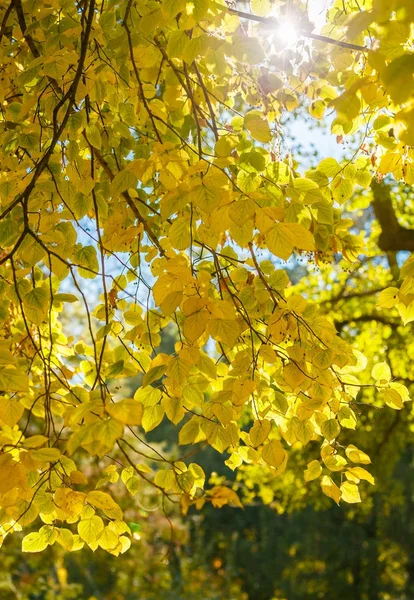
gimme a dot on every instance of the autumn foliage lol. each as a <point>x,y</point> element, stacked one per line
<point>145,188</point>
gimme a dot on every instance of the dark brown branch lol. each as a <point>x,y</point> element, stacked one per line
<point>137,77</point>
<point>3,26</point>
<point>303,32</point>
<point>393,236</point>
<point>22,23</point>
<point>58,129</point>
<point>366,319</point>
<point>101,160</point>
<point>208,101</point>
<point>358,294</point>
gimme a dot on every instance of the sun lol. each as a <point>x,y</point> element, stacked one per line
<point>287,34</point>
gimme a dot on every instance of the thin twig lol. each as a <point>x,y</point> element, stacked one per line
<point>314,36</point>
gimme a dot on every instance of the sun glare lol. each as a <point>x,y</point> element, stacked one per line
<point>287,34</point>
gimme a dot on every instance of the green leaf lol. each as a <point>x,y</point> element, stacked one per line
<point>123,181</point>
<point>36,304</point>
<point>87,260</point>
<point>329,166</point>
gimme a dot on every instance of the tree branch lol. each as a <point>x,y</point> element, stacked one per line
<point>303,32</point>
<point>393,236</point>
<point>101,160</point>
<point>22,23</point>
<point>3,26</point>
<point>365,319</point>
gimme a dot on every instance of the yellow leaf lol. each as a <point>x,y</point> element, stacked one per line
<point>332,460</point>
<point>406,312</point>
<point>261,7</point>
<point>225,330</point>
<point>330,429</point>
<point>173,409</point>
<point>198,474</point>
<point>350,492</point>
<point>12,380</point>
<point>217,436</point>
<point>388,297</point>
<point>223,411</point>
<point>189,432</point>
<point>90,528</point>
<point>65,539</point>
<point>35,441</point>
<point>86,259</point>
<point>11,411</point>
<point>280,403</point>
<point>330,489</point>
<point>36,304</point>
<point>166,478</point>
<point>152,417</point>
<point>69,501</point>
<point>392,398</point>
<point>313,470</point>
<point>153,374</point>
<point>274,454</point>
<point>381,373</point>
<point>46,454</point>
<point>108,540</point>
<point>179,233</point>
<point>356,455</point>
<point>128,411</point>
<point>178,369</point>
<point>195,325</point>
<point>78,477</point>
<point>390,162</point>
<point>220,496</point>
<point>258,126</point>
<point>93,135</point>
<point>106,503</point>
<point>148,396</point>
<point>302,237</point>
<point>358,473</point>
<point>35,542</point>
<point>280,241</point>
<point>185,481</point>
<point>122,181</point>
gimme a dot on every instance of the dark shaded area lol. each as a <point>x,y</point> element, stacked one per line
<point>360,552</point>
